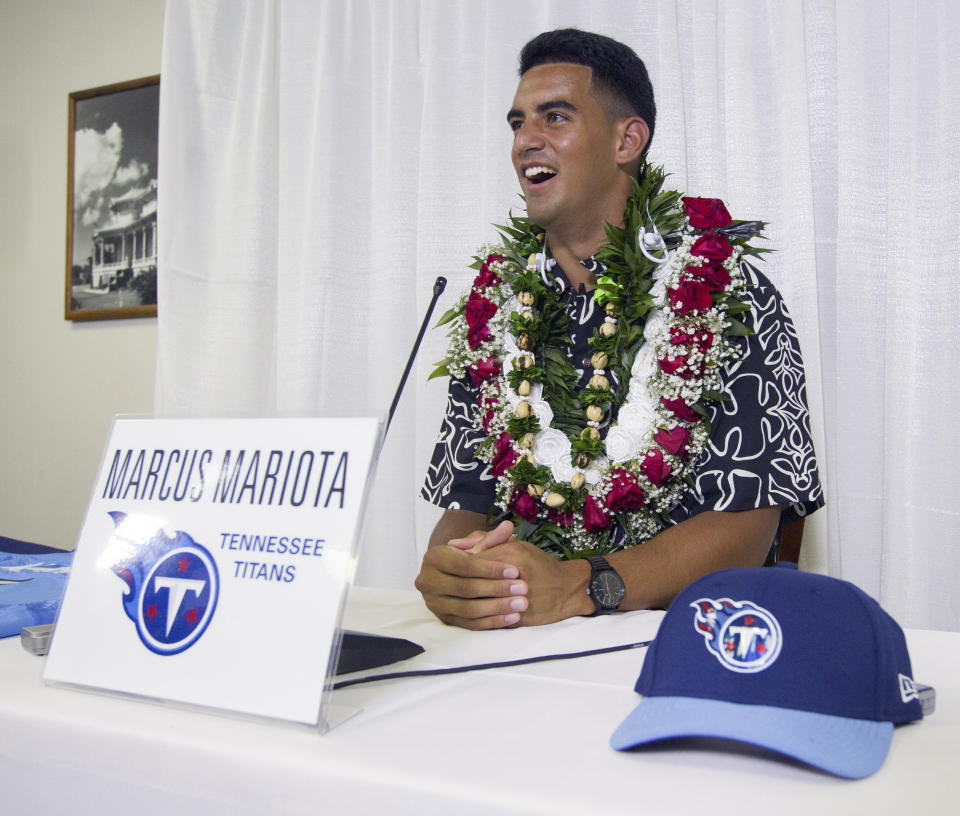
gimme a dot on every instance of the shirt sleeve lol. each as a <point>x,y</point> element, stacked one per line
<point>760,451</point>
<point>455,479</point>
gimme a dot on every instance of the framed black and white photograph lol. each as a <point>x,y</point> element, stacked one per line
<point>112,201</point>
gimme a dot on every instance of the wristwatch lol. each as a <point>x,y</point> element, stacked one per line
<point>605,588</point>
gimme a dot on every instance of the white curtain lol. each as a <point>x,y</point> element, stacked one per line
<point>323,161</point>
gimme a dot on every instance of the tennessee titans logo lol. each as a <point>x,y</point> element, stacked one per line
<point>744,637</point>
<point>172,583</point>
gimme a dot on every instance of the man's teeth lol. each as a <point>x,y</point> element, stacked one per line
<point>539,173</point>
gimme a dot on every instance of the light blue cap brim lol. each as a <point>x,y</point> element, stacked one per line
<point>840,745</point>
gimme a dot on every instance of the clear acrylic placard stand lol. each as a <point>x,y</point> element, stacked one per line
<point>214,564</point>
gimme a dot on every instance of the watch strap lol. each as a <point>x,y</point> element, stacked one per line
<point>597,563</point>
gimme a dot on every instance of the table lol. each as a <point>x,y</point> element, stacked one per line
<point>522,740</point>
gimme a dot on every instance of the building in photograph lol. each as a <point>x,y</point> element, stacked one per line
<point>126,246</point>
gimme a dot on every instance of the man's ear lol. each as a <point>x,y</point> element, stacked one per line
<point>633,135</point>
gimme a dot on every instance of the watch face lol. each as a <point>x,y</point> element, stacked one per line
<point>608,589</point>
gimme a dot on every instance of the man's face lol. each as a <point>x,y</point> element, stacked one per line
<point>564,150</point>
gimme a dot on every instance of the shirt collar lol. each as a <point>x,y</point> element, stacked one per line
<point>563,283</point>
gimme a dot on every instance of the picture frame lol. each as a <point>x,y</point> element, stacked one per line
<point>111,246</point>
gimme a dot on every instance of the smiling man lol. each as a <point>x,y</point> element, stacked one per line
<point>574,157</point>
<point>626,391</point>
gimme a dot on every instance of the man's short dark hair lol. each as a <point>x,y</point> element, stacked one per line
<point>618,73</point>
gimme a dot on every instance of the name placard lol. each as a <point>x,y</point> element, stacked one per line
<point>214,560</point>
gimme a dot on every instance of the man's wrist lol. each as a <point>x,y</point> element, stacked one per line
<point>578,599</point>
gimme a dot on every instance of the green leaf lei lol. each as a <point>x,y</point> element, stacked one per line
<point>670,327</point>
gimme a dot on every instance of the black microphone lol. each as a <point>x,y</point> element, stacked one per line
<point>438,286</point>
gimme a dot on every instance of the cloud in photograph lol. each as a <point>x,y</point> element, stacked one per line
<point>96,159</point>
<point>131,172</point>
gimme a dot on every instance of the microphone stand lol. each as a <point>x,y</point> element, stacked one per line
<point>438,286</point>
<point>361,650</point>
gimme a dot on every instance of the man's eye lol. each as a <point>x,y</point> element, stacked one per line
<point>515,124</point>
<point>556,116</point>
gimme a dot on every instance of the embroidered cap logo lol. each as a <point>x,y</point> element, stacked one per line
<point>908,689</point>
<point>744,637</point>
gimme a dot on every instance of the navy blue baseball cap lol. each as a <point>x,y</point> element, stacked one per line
<point>805,665</point>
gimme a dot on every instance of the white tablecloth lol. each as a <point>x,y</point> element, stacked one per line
<point>530,739</point>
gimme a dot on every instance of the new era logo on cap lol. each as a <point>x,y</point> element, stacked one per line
<point>805,665</point>
<point>908,689</point>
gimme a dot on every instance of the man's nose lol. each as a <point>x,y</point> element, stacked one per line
<point>527,137</point>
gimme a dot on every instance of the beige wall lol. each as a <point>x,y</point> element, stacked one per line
<point>60,382</point>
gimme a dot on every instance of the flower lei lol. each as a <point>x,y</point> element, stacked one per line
<point>671,286</point>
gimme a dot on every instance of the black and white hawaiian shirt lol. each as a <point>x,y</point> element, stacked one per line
<point>760,451</point>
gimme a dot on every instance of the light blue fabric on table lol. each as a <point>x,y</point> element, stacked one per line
<point>31,586</point>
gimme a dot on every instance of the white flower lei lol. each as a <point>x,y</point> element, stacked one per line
<point>642,414</point>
